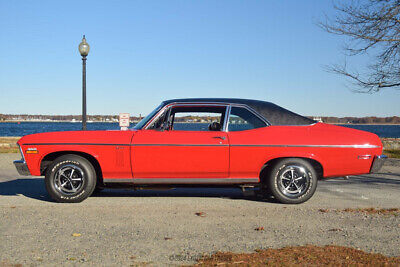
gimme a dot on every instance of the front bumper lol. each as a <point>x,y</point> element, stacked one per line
<point>378,163</point>
<point>22,168</point>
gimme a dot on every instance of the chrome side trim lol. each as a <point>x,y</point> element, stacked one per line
<point>234,145</point>
<point>195,180</point>
<point>177,181</point>
<point>378,163</point>
<point>364,157</point>
<point>343,146</point>
<point>118,180</point>
<point>179,145</point>
<point>74,144</point>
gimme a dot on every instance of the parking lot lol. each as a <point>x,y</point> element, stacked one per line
<point>177,226</point>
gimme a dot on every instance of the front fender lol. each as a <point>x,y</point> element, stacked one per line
<point>34,161</point>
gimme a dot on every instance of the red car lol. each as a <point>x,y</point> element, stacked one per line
<point>202,142</point>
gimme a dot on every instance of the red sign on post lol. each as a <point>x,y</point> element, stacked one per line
<point>124,121</point>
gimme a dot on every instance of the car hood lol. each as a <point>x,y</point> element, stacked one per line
<point>79,137</point>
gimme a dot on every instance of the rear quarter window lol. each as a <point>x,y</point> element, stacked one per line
<point>241,119</point>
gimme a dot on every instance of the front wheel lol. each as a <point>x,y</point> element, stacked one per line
<point>70,179</point>
<point>292,181</point>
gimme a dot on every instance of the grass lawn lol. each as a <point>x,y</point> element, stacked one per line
<point>300,256</point>
<point>9,144</point>
<point>392,153</point>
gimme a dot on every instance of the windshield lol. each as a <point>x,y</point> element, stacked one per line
<point>147,118</point>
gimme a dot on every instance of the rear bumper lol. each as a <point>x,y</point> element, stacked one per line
<point>22,168</point>
<point>378,163</point>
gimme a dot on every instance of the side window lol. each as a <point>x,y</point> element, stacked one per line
<point>201,118</point>
<point>242,119</point>
<point>158,123</point>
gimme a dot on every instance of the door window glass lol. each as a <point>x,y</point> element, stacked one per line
<point>201,118</point>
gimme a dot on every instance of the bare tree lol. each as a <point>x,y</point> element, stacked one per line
<point>372,28</point>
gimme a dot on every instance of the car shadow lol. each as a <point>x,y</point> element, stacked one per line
<point>376,178</point>
<point>35,188</point>
<point>202,192</point>
<point>29,187</point>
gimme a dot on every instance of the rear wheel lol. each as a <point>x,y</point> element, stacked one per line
<point>292,181</point>
<point>70,178</point>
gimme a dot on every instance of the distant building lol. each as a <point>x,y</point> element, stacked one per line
<point>318,119</point>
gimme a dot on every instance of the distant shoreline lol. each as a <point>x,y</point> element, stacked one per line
<point>79,122</point>
<point>189,122</point>
<point>363,123</point>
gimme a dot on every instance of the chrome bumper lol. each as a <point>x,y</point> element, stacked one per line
<point>378,163</point>
<point>22,168</point>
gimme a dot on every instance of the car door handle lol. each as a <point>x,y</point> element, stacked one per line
<point>220,137</point>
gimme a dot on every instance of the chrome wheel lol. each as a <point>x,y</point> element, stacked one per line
<point>69,179</point>
<point>293,181</point>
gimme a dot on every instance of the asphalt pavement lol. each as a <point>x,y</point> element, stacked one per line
<point>164,227</point>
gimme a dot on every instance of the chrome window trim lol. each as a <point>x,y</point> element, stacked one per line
<point>298,125</point>
<point>168,114</point>
<point>158,114</point>
<point>255,113</point>
<point>220,104</point>
<point>171,105</point>
<point>227,115</point>
<point>159,107</point>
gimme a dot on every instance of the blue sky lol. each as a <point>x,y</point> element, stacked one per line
<point>143,52</point>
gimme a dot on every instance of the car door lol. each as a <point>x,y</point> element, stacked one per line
<point>165,154</point>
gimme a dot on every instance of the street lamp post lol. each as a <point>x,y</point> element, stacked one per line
<point>84,51</point>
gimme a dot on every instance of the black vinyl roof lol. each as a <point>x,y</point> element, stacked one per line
<point>275,114</point>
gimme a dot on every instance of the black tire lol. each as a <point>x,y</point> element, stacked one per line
<point>70,179</point>
<point>292,181</point>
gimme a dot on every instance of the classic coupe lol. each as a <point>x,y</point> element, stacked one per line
<point>202,142</point>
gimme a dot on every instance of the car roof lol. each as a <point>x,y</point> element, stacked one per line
<point>273,113</point>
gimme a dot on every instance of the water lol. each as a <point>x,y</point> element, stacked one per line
<point>378,129</point>
<point>24,128</point>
